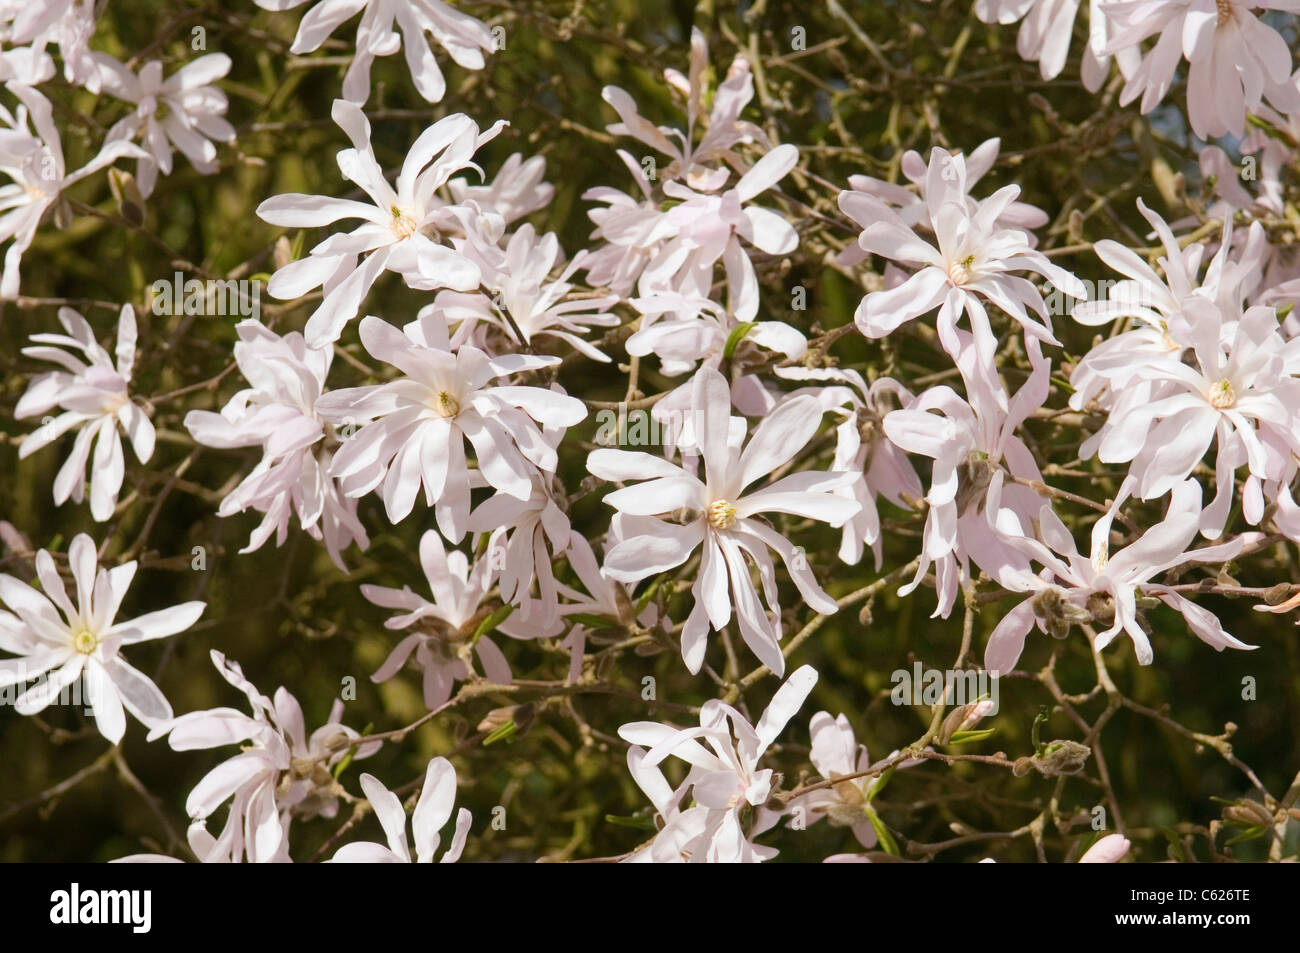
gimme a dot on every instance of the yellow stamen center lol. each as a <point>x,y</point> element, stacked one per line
<point>445,404</point>
<point>85,641</point>
<point>960,271</point>
<point>722,514</point>
<point>403,225</point>
<point>1221,395</point>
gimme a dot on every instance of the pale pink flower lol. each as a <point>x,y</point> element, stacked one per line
<point>708,228</point>
<point>279,772</point>
<point>724,778</point>
<point>1104,588</point>
<point>413,429</point>
<point>515,191</point>
<point>405,228</point>
<point>95,399</point>
<point>51,634</point>
<point>443,629</point>
<point>519,297</point>
<point>183,111</point>
<point>278,413</point>
<point>974,445</point>
<point>847,803</point>
<point>35,164</point>
<point>633,232</point>
<point>1235,60</point>
<point>910,203</point>
<point>722,517</point>
<point>432,811</point>
<point>972,260</point>
<point>880,467</point>
<point>463,37</point>
<point>1238,392</point>
<point>706,165</point>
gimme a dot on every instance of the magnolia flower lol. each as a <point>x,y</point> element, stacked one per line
<point>1105,588</point>
<point>279,772</point>
<point>1046,30</point>
<point>972,260</point>
<point>523,302</point>
<point>1156,301</point>
<point>633,232</point>
<point>52,635</point>
<point>1235,60</point>
<point>35,164</point>
<point>444,629</point>
<point>910,203</point>
<point>463,37</point>
<point>973,444</point>
<point>95,401</point>
<point>530,525</point>
<point>432,811</point>
<point>1238,392</point>
<point>707,228</point>
<point>67,24</point>
<point>404,227</point>
<point>879,466</point>
<point>515,191</point>
<point>415,427</point>
<point>724,778</point>
<point>847,803</point>
<point>722,518</point>
<point>183,111</point>
<point>278,413</point>
<point>702,166</point>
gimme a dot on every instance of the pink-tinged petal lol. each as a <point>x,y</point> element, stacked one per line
<point>214,728</point>
<point>711,588</point>
<point>711,415</point>
<point>389,811</point>
<point>457,845</point>
<point>785,704</point>
<point>1108,850</point>
<point>1008,639</point>
<point>365,852</point>
<point>217,786</point>
<point>880,312</point>
<point>695,637</point>
<point>434,807</point>
<point>662,495</point>
<point>656,547</point>
<point>140,696</point>
<point>159,624</point>
<point>781,435</point>
<point>312,211</point>
<point>624,465</point>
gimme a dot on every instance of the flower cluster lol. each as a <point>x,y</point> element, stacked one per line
<point>725,544</point>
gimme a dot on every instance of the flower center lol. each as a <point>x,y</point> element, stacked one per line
<point>722,514</point>
<point>1221,395</point>
<point>403,225</point>
<point>85,641</point>
<point>1227,12</point>
<point>960,271</point>
<point>445,404</point>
